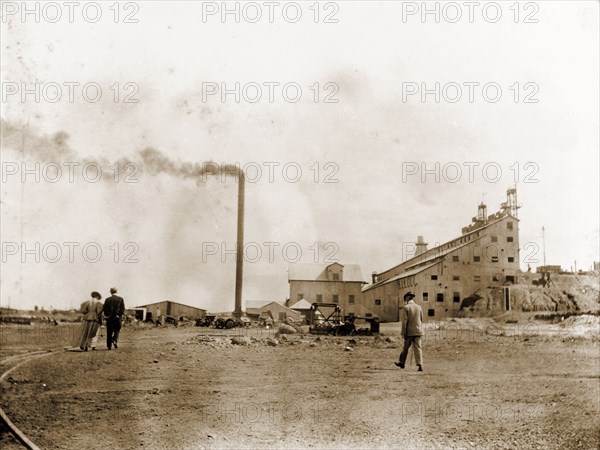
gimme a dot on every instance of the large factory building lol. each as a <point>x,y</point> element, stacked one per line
<point>485,255</point>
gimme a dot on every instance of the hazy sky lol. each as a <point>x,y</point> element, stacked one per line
<point>331,112</point>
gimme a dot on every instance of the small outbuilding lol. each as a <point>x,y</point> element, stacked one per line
<point>303,307</point>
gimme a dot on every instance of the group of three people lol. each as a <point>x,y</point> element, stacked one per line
<point>93,312</point>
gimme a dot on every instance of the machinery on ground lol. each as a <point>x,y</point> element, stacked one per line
<point>326,318</point>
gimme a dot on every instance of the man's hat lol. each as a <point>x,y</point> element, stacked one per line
<point>409,295</point>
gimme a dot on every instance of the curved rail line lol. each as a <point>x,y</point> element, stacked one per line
<point>21,360</point>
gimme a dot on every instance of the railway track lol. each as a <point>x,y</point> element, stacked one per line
<point>14,362</point>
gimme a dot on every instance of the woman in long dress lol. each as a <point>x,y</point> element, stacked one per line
<point>92,318</point>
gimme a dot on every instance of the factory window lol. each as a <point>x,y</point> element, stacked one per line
<point>456,297</point>
<point>300,296</point>
<point>336,298</point>
<point>431,312</point>
<point>455,258</point>
<point>509,239</point>
<point>434,277</point>
<point>336,277</point>
<point>319,298</point>
<point>455,277</point>
<point>494,259</point>
<point>511,259</point>
<point>425,296</point>
<point>477,278</point>
<point>509,225</point>
<point>476,258</point>
<point>510,279</point>
<point>351,299</point>
<point>440,297</point>
<point>494,238</point>
<point>378,301</point>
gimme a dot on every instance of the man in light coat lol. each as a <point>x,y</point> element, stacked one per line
<point>411,319</point>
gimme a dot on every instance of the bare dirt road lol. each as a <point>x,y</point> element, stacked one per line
<point>484,386</point>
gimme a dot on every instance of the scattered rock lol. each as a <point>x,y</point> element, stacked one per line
<point>287,329</point>
<point>240,340</point>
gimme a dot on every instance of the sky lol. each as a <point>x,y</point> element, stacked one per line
<point>359,126</point>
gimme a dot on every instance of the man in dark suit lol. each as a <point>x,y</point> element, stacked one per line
<point>411,318</point>
<point>114,307</point>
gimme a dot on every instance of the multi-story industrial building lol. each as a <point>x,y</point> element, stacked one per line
<point>485,255</point>
<point>322,283</point>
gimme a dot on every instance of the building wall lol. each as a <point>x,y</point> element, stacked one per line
<point>384,301</point>
<point>551,269</point>
<point>169,308</point>
<point>309,290</point>
<point>483,262</point>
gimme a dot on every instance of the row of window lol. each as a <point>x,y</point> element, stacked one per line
<point>462,240</point>
<point>476,278</point>
<point>335,298</point>
<point>406,282</point>
<point>508,239</point>
<point>510,259</point>
<point>458,241</point>
<point>439,297</point>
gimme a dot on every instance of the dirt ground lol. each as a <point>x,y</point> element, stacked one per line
<point>485,385</point>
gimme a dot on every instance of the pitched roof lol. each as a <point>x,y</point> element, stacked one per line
<point>408,273</point>
<point>168,301</point>
<point>439,254</point>
<point>276,307</point>
<point>301,304</point>
<point>318,272</point>
<point>255,304</point>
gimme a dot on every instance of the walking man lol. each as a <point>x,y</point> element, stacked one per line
<point>114,307</point>
<point>411,318</point>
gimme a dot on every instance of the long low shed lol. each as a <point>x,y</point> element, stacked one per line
<point>174,309</point>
